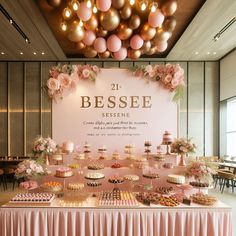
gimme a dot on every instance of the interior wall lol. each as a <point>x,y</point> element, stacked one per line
<point>25,111</point>
<point>228,76</point>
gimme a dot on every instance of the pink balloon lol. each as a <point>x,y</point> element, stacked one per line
<point>121,54</point>
<point>89,37</point>
<point>161,46</point>
<point>156,18</point>
<point>84,13</point>
<point>113,43</point>
<point>136,42</point>
<point>103,5</point>
<point>100,45</point>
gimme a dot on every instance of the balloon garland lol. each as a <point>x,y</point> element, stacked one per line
<point>118,28</point>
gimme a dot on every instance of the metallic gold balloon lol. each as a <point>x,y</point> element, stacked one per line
<point>110,19</point>
<point>152,51</point>
<point>92,23</point>
<point>146,47</point>
<point>169,7</point>
<point>54,3</point>
<point>118,3</point>
<point>134,54</point>
<point>123,31</point>
<point>90,52</point>
<point>105,54</point>
<point>169,23</point>
<point>147,32</point>
<point>76,32</point>
<point>100,32</point>
<point>80,45</point>
<point>134,22</point>
<point>161,35</point>
<point>126,12</point>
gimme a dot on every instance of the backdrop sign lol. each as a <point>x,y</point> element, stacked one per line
<point>115,110</point>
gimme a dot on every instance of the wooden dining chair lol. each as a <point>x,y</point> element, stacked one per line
<point>227,178</point>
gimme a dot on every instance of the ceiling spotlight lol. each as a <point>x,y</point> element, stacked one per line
<point>21,53</point>
<point>35,53</point>
<point>208,53</point>
<point>42,53</point>
<point>196,53</point>
<point>63,26</point>
<point>214,53</point>
<point>11,21</point>
<point>75,5</point>
<point>95,10</point>
<point>132,2</point>
<point>89,4</point>
<point>2,53</point>
<point>143,6</point>
<point>67,13</point>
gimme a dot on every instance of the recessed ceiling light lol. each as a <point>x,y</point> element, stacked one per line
<point>21,53</point>
<point>196,53</point>
<point>208,53</point>
<point>35,53</point>
<point>214,53</point>
<point>2,53</point>
<point>42,53</point>
<point>11,21</point>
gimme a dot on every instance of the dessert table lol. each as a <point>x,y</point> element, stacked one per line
<point>183,220</point>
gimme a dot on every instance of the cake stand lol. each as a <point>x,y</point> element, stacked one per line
<point>64,180</point>
<point>115,184</point>
<point>151,177</point>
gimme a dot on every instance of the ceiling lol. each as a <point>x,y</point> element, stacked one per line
<point>195,43</point>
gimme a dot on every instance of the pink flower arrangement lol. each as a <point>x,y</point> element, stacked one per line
<point>64,79</point>
<point>199,170</point>
<point>171,77</point>
<point>29,168</point>
<point>44,146</point>
<point>183,146</point>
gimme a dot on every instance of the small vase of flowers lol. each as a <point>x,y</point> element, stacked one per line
<point>183,146</point>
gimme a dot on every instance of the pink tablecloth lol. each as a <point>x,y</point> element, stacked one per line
<point>116,222</point>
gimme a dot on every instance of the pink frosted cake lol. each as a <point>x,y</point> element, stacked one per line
<point>167,138</point>
<point>64,172</point>
<point>68,146</point>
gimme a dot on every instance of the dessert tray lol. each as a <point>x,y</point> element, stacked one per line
<point>94,176</point>
<point>33,199</point>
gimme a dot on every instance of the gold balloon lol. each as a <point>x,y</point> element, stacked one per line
<point>134,54</point>
<point>169,7</point>
<point>110,19</point>
<point>118,3</point>
<point>134,22</point>
<point>92,23</point>
<point>123,31</point>
<point>169,23</point>
<point>54,3</point>
<point>80,45</point>
<point>147,32</point>
<point>76,32</point>
<point>152,51</point>
<point>161,35</point>
<point>126,12</point>
<point>105,54</point>
<point>101,32</point>
<point>90,52</point>
<point>146,47</point>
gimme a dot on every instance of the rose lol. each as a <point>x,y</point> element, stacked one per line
<point>95,69</point>
<point>64,80</point>
<point>54,73</point>
<point>167,79</point>
<point>53,84</point>
<point>85,73</point>
<point>148,68</point>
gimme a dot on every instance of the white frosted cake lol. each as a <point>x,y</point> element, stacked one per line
<point>176,179</point>
<point>94,175</point>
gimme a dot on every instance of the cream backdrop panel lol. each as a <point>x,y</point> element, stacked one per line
<point>151,113</point>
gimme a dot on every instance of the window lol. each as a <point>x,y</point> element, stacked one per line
<point>231,127</point>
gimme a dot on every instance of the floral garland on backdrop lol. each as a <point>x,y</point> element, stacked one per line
<point>63,79</point>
